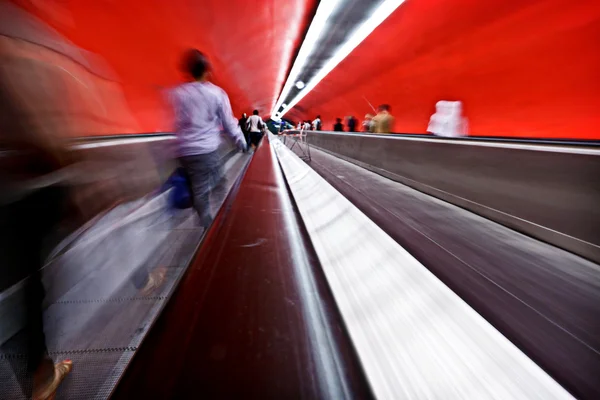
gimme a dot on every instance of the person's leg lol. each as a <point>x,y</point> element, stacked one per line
<point>218,179</point>
<point>199,174</point>
<point>256,136</point>
<point>25,226</point>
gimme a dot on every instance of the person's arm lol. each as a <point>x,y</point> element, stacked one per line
<point>230,124</point>
<point>180,112</point>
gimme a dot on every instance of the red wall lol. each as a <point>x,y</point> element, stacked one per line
<point>521,68</point>
<point>251,45</point>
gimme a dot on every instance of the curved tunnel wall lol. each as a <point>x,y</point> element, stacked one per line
<point>251,46</point>
<point>522,68</point>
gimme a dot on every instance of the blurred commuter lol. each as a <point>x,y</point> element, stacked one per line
<point>265,129</point>
<point>352,124</point>
<point>383,121</point>
<point>316,124</point>
<point>368,124</point>
<point>299,126</point>
<point>243,121</point>
<point>201,110</point>
<point>448,120</point>
<point>255,126</point>
<point>338,127</point>
<point>33,194</point>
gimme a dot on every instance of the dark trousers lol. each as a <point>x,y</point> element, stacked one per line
<point>206,177</point>
<point>24,226</point>
<point>255,138</point>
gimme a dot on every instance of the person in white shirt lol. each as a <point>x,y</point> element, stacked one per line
<point>299,126</point>
<point>316,124</point>
<point>306,126</point>
<point>255,127</point>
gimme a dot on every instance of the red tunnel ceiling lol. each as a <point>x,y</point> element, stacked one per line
<point>520,67</point>
<point>251,45</point>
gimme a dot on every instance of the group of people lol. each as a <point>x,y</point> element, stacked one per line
<point>351,123</point>
<point>382,122</point>
<point>253,127</point>
<point>307,125</point>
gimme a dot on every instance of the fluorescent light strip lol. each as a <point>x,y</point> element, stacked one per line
<point>361,33</point>
<point>317,26</point>
<point>120,141</point>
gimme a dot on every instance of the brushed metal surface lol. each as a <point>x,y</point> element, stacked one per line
<point>253,317</point>
<point>544,299</point>
<point>415,337</point>
<point>549,192</point>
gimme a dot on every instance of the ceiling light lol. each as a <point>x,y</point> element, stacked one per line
<point>300,85</point>
<point>356,38</point>
<point>315,30</point>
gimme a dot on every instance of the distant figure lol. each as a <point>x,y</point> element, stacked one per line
<point>306,125</point>
<point>338,127</point>
<point>368,124</point>
<point>384,121</point>
<point>300,125</point>
<point>243,121</point>
<point>255,126</point>
<point>202,110</point>
<point>265,129</point>
<point>351,124</point>
<point>448,120</point>
<point>316,124</point>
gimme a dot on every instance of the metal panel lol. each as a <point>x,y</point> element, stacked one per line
<point>544,299</point>
<point>96,313</point>
<point>253,317</point>
<point>551,195</point>
<point>415,337</point>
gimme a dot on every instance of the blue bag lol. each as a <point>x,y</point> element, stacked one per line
<point>181,195</point>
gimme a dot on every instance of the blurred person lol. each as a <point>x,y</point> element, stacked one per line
<point>243,121</point>
<point>367,123</point>
<point>265,129</point>
<point>299,126</point>
<point>338,126</point>
<point>448,120</point>
<point>307,125</point>
<point>351,124</point>
<point>202,109</point>
<point>255,126</point>
<point>316,124</point>
<point>33,193</point>
<point>383,121</point>
<point>29,212</point>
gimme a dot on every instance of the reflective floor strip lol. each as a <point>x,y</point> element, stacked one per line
<point>415,338</point>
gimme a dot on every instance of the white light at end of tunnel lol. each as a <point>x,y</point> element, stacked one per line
<point>356,38</point>
<point>315,30</point>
